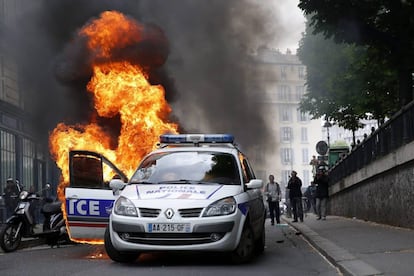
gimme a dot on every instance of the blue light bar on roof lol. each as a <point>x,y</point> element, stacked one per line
<point>196,138</point>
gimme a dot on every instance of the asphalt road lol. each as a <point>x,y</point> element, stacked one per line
<point>286,253</point>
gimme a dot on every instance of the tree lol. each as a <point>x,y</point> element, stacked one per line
<point>385,27</point>
<point>343,84</point>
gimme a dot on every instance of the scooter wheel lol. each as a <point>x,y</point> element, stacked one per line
<point>10,238</point>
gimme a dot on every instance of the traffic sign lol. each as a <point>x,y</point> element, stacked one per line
<point>322,147</point>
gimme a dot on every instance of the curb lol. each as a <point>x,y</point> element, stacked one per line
<point>347,263</point>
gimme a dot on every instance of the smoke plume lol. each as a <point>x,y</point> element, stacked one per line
<point>208,76</point>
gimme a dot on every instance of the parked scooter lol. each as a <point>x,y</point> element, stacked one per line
<point>21,224</point>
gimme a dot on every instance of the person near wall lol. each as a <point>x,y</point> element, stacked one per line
<point>295,195</point>
<point>273,197</point>
<point>322,193</point>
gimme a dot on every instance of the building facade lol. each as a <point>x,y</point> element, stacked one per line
<point>295,135</point>
<point>22,157</point>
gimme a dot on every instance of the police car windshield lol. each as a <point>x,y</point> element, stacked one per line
<point>188,168</point>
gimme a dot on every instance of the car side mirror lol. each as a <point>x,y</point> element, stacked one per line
<point>255,184</point>
<point>116,185</point>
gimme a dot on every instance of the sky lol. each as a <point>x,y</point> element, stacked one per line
<point>292,20</point>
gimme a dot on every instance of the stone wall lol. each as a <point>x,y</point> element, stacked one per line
<point>386,195</point>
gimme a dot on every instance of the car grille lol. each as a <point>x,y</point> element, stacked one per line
<point>190,213</point>
<point>149,213</point>
<point>170,238</point>
<point>184,213</point>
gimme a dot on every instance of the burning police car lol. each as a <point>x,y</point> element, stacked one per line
<point>194,193</point>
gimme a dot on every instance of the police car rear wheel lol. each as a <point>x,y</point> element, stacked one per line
<point>261,242</point>
<point>244,251</point>
<point>114,254</point>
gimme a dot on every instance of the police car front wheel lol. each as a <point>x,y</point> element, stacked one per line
<point>114,254</point>
<point>245,249</point>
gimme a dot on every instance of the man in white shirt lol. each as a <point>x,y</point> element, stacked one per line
<point>273,196</point>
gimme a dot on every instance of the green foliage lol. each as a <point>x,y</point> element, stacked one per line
<point>352,70</point>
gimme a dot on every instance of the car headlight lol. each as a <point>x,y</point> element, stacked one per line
<point>222,207</point>
<point>125,207</point>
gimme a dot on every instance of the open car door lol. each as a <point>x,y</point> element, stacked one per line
<point>89,199</point>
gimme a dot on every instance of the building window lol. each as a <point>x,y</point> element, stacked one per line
<point>28,151</point>
<point>286,156</point>
<point>283,73</point>
<point>283,93</point>
<point>300,91</point>
<point>305,156</point>
<point>286,133</point>
<point>303,116</point>
<point>285,114</point>
<point>9,88</point>
<point>304,135</point>
<point>7,156</point>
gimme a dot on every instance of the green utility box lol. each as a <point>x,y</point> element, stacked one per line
<point>336,152</point>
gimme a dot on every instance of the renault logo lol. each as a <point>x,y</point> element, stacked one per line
<point>169,213</point>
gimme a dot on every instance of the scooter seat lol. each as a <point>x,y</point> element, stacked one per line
<point>51,208</point>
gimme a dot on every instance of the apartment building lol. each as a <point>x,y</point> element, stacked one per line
<point>295,135</point>
<point>22,157</point>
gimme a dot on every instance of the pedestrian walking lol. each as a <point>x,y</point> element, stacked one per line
<point>322,193</point>
<point>310,194</point>
<point>273,197</point>
<point>295,196</point>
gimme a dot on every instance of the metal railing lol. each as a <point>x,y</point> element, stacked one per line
<point>394,133</point>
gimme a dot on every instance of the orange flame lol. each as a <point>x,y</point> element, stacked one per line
<point>119,88</point>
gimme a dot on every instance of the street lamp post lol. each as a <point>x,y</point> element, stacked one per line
<point>327,125</point>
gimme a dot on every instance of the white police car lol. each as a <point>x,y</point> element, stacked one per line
<point>194,193</point>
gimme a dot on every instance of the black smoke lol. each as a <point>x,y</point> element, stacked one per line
<point>207,76</point>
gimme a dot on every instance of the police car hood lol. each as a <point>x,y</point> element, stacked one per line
<point>182,191</point>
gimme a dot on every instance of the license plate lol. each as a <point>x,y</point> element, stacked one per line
<point>168,227</point>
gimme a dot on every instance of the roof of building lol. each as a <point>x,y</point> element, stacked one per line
<point>266,55</point>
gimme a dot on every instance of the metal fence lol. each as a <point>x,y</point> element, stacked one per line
<point>394,133</point>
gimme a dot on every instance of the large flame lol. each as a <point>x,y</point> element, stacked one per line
<point>119,88</point>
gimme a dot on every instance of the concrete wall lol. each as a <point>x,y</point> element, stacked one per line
<point>381,192</point>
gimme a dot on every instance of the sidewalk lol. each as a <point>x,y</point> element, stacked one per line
<point>357,247</point>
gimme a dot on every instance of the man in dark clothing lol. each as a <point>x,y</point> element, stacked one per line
<point>295,195</point>
<point>322,193</point>
<point>11,194</point>
<point>310,195</point>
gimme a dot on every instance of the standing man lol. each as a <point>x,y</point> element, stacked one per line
<point>314,163</point>
<point>295,195</point>
<point>272,192</point>
<point>322,193</point>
